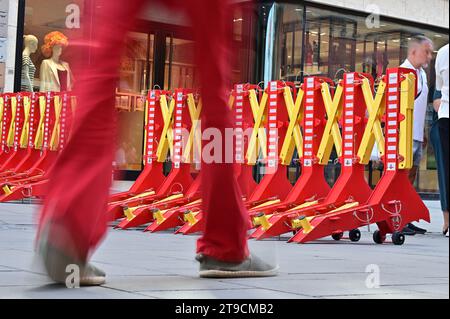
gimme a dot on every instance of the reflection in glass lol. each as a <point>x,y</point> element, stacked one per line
<point>329,43</point>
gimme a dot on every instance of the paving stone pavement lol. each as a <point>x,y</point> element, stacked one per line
<point>161,266</point>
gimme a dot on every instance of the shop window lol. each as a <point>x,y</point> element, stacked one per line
<point>329,43</point>
<point>136,77</point>
<point>180,69</point>
<point>44,18</point>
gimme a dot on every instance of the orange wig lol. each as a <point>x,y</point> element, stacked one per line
<point>52,39</point>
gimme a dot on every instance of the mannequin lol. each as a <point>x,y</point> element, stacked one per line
<point>56,75</point>
<point>30,43</point>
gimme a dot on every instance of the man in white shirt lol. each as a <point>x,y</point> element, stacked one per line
<point>442,78</point>
<point>420,54</point>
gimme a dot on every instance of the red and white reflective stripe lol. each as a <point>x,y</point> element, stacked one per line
<point>178,131</point>
<point>309,127</point>
<point>392,120</point>
<point>6,109</point>
<point>239,117</point>
<point>272,144</point>
<point>50,100</point>
<point>62,139</point>
<point>151,126</point>
<point>348,148</point>
<point>17,128</point>
<point>31,121</point>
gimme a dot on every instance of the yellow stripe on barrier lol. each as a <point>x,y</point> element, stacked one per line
<point>332,135</point>
<point>273,202</point>
<point>373,132</point>
<point>194,136</point>
<point>168,199</point>
<point>144,158</point>
<point>26,124</point>
<point>294,138</point>
<point>304,205</point>
<point>344,207</point>
<point>407,99</point>
<point>143,195</point>
<point>39,140</point>
<point>166,142</point>
<point>258,140</point>
<point>54,142</point>
<point>12,127</point>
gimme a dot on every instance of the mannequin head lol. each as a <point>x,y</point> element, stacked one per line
<point>54,43</point>
<point>57,51</point>
<point>30,43</point>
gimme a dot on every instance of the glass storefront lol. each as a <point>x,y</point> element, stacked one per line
<point>312,41</point>
<point>157,55</point>
<point>278,40</point>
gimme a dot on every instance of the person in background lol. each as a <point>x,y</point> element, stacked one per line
<point>420,54</point>
<point>443,123</point>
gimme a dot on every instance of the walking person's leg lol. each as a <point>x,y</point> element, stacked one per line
<point>73,220</point>
<point>223,250</point>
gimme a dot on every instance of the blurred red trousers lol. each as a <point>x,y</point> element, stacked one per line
<point>80,182</point>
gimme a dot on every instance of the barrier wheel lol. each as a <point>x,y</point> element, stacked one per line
<point>378,238</point>
<point>398,238</point>
<point>355,235</point>
<point>338,236</point>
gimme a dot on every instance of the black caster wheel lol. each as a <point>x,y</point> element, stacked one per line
<point>398,238</point>
<point>338,236</point>
<point>355,235</point>
<point>378,238</point>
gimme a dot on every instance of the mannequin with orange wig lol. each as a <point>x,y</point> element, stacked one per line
<point>56,75</point>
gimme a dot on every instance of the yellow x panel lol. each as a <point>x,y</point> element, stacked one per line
<point>26,124</point>
<point>258,139</point>
<point>54,142</point>
<point>40,130</point>
<point>144,158</point>
<point>166,141</point>
<point>231,102</point>
<point>407,99</point>
<point>195,112</point>
<point>332,134</point>
<point>294,138</point>
<point>373,132</point>
<point>12,127</point>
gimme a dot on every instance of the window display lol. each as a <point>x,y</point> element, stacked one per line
<point>315,41</point>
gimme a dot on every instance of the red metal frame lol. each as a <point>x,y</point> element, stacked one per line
<point>351,186</point>
<point>6,124</point>
<point>180,177</point>
<point>394,202</point>
<point>152,177</point>
<point>23,163</point>
<point>33,182</point>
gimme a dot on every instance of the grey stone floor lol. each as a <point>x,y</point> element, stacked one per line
<point>142,265</point>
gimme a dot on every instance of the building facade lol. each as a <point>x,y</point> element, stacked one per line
<point>284,40</point>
